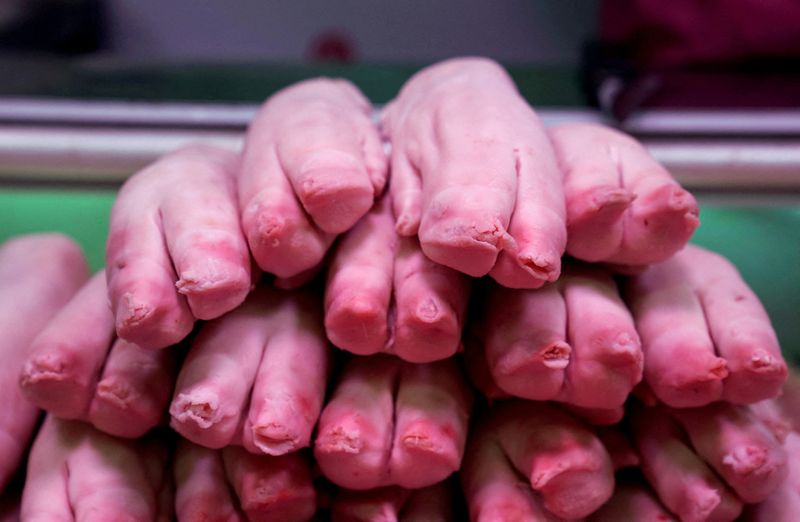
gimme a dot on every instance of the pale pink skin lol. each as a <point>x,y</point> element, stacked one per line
<point>256,376</point>
<point>573,342</point>
<point>738,446</point>
<point>393,503</point>
<point>38,275</point>
<point>622,206</point>
<point>175,250</point>
<point>201,486</point>
<point>568,470</point>
<point>680,478</point>
<point>384,295</point>
<point>632,500</point>
<point>696,308</point>
<point>77,370</point>
<point>68,355</point>
<point>474,174</point>
<point>393,423</point>
<point>78,473</point>
<point>312,165</point>
<point>784,503</point>
<point>271,488</point>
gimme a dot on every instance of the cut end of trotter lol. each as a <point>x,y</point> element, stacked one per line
<point>200,411</point>
<point>274,439</point>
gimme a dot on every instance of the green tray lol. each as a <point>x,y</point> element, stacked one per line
<point>763,242</point>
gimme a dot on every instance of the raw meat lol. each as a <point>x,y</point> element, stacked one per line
<point>175,250</point>
<point>312,165</point>
<point>38,275</point>
<point>384,295</point>
<point>474,174</point>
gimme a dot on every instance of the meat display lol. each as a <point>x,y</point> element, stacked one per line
<point>474,174</point>
<point>639,378</point>
<point>38,274</point>
<point>384,295</point>
<point>77,369</point>
<point>175,249</point>
<point>312,165</point>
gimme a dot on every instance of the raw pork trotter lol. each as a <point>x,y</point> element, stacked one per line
<point>389,422</point>
<point>622,206</point>
<point>38,274</point>
<point>383,294</point>
<point>312,165</point>
<point>532,461</point>
<point>474,174</point>
<point>705,334</point>
<point>256,376</point>
<point>232,485</point>
<point>78,473</point>
<point>175,249</point>
<point>78,369</point>
<point>573,341</point>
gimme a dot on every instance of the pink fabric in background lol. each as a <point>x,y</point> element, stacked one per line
<point>663,33</point>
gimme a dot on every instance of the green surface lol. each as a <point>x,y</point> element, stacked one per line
<point>764,243</point>
<point>242,82</point>
<point>79,213</point>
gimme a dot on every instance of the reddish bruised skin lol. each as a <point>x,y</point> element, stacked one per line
<point>473,173</point>
<point>494,490</point>
<point>632,500</point>
<point>564,461</point>
<point>78,473</point>
<point>597,416</point>
<point>739,326</point>
<point>393,423</point>
<point>78,371</point>
<point>270,354</point>
<point>622,206</point>
<point>606,361</point>
<point>384,295</point>
<point>531,461</point>
<point>175,250</point>
<point>289,388</point>
<point>358,291</point>
<point>201,486</point>
<point>573,342</point>
<point>68,355</point>
<point>526,344</point>
<point>430,305</point>
<point>38,275</point>
<point>681,366</point>
<point>742,450</point>
<point>271,488</point>
<point>432,406</point>
<point>393,503</point>
<point>355,432</point>
<point>134,390</point>
<point>312,166</point>
<point>682,481</point>
<point>784,502</point>
<point>696,308</point>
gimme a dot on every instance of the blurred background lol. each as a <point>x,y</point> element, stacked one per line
<point>92,90</point>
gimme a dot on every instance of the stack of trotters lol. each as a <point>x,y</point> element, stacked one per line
<point>368,375</point>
